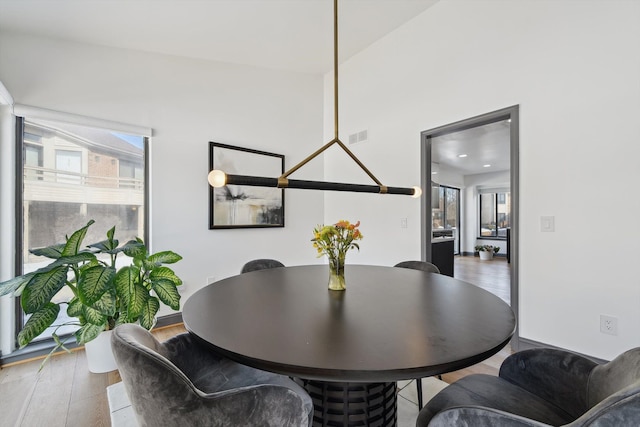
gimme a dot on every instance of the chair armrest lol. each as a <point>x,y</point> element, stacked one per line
<point>479,416</point>
<point>558,376</point>
<point>619,409</point>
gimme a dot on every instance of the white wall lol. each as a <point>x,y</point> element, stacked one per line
<point>573,68</point>
<point>187,103</point>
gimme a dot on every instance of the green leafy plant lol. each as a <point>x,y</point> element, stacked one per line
<point>103,296</point>
<point>487,248</point>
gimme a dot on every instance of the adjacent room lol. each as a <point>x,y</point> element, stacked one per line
<point>399,198</point>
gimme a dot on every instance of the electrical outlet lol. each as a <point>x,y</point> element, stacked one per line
<point>608,325</point>
<point>403,223</point>
<point>210,280</point>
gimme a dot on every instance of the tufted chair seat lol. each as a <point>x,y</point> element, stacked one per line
<point>543,387</point>
<point>180,382</point>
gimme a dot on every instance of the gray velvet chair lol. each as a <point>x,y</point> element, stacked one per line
<point>543,387</point>
<point>419,265</point>
<point>430,268</point>
<point>182,383</point>
<point>261,264</point>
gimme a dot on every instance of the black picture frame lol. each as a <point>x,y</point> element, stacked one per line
<point>239,206</point>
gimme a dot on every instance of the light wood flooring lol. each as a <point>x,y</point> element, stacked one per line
<point>493,275</point>
<point>65,393</point>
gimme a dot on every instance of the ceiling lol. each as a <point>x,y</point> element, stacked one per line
<point>294,35</point>
<point>483,145</point>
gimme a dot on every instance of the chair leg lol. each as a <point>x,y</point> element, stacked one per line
<point>419,384</point>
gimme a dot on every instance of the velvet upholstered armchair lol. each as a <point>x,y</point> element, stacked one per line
<point>543,387</point>
<point>181,383</point>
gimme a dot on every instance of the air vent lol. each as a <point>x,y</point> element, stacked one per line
<point>358,137</point>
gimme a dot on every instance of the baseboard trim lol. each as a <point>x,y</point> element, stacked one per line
<point>527,344</point>
<point>169,320</point>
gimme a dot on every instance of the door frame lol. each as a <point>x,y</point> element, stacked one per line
<point>512,113</point>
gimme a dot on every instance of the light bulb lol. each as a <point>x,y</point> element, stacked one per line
<point>417,192</point>
<point>217,178</point>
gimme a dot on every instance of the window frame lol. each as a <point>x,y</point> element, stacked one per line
<point>495,216</point>
<point>44,345</point>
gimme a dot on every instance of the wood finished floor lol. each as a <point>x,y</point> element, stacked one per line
<point>493,275</point>
<point>65,393</point>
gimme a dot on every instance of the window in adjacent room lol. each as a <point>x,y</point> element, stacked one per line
<point>446,214</point>
<point>495,213</point>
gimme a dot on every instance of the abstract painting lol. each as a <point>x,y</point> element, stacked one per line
<point>239,206</point>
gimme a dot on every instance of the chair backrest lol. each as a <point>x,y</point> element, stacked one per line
<point>178,383</point>
<point>419,265</point>
<point>159,392</point>
<point>261,264</point>
<point>614,376</point>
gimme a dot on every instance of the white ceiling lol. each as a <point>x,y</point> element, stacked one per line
<point>292,35</point>
<point>295,35</point>
<point>483,145</point>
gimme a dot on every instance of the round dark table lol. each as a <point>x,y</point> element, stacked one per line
<point>390,324</point>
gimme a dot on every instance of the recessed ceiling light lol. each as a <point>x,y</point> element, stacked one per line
<point>486,166</point>
<point>462,155</point>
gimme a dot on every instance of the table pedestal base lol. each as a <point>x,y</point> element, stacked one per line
<point>352,404</point>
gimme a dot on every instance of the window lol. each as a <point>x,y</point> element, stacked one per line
<point>445,213</point>
<point>72,174</point>
<point>495,214</point>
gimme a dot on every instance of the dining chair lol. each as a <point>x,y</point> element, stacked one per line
<point>261,264</point>
<point>182,382</point>
<point>543,387</point>
<point>419,265</point>
<point>430,268</point>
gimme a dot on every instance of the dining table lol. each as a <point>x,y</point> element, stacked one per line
<point>349,348</point>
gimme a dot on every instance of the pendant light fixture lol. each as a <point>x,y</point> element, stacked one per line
<point>218,178</point>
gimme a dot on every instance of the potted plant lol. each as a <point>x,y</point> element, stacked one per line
<point>486,251</point>
<point>103,296</point>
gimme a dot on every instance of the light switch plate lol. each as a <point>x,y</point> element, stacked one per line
<point>548,223</point>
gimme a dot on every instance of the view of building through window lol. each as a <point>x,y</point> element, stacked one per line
<point>445,214</point>
<point>495,214</point>
<point>72,174</point>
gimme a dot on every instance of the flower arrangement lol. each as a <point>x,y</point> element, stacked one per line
<point>334,241</point>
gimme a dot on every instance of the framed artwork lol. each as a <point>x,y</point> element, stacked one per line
<point>239,206</point>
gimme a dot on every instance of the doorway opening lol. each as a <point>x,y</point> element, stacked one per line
<point>480,157</point>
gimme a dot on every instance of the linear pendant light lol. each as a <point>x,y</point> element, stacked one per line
<point>218,178</point>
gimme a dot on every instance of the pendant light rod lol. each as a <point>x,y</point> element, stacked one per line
<point>219,178</point>
<point>257,181</point>
<point>335,72</point>
<point>336,118</point>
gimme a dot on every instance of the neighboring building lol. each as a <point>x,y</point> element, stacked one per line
<point>71,169</point>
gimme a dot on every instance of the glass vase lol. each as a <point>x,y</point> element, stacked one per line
<point>336,273</point>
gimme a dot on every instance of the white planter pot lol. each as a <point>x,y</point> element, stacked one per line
<point>485,255</point>
<point>99,355</point>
